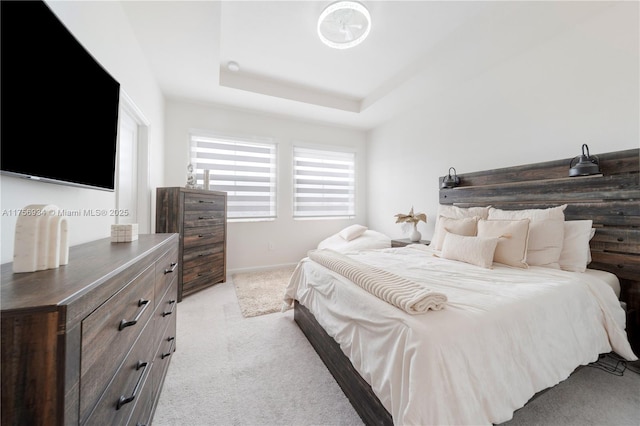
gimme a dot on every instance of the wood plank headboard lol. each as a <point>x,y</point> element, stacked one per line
<point>610,199</point>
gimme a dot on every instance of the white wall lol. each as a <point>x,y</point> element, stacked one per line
<point>104,30</point>
<point>541,105</point>
<point>248,242</point>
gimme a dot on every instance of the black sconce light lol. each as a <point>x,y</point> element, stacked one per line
<point>585,164</point>
<point>450,181</point>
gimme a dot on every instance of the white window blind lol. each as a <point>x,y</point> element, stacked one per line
<point>244,169</point>
<point>324,183</point>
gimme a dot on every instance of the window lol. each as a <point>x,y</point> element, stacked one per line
<point>324,183</point>
<point>244,169</point>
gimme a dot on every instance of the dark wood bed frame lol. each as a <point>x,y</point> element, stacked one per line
<point>611,199</point>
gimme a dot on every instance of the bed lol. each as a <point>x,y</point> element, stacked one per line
<point>505,332</point>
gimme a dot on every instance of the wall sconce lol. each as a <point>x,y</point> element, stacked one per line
<point>450,181</point>
<point>585,164</point>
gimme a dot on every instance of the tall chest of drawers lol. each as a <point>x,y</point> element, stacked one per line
<point>200,218</point>
<point>90,342</point>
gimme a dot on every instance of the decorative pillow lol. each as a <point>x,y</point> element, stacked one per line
<point>546,233</point>
<point>369,240</point>
<point>593,232</point>
<point>477,251</point>
<point>351,232</point>
<point>455,212</point>
<point>513,238</point>
<point>576,253</point>
<point>467,227</point>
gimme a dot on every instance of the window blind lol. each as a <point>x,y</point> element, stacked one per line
<point>324,183</point>
<point>245,170</point>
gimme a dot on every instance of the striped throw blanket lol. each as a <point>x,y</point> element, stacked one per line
<point>405,294</point>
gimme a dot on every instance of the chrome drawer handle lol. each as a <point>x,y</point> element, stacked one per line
<point>205,235</point>
<point>124,323</point>
<point>173,306</point>
<point>125,400</point>
<point>172,268</point>
<point>166,354</point>
<point>206,217</point>
<point>206,202</point>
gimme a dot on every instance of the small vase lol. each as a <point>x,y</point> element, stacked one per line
<point>415,234</point>
<point>206,180</point>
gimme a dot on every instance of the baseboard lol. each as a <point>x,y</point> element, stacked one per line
<point>259,269</point>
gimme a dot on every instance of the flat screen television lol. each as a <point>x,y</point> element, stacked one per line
<point>59,106</point>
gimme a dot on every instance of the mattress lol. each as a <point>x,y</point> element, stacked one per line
<point>505,333</point>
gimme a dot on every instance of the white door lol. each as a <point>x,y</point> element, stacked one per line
<point>127,183</point>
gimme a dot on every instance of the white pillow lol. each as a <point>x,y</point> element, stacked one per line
<point>352,232</point>
<point>546,233</point>
<point>467,227</point>
<point>477,251</point>
<point>576,253</point>
<point>513,238</point>
<point>455,212</point>
<point>367,241</point>
<point>593,232</point>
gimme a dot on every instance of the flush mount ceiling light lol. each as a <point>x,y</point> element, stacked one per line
<point>344,24</point>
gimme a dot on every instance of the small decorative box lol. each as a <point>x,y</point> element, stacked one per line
<point>124,233</point>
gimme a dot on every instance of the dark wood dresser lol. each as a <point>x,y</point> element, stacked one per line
<point>90,342</point>
<point>200,217</point>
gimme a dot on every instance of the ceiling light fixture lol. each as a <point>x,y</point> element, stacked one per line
<point>344,24</point>
<point>233,66</point>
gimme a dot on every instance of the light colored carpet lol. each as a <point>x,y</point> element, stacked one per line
<point>261,292</point>
<point>262,371</point>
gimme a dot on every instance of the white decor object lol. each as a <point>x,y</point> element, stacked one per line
<point>413,219</point>
<point>415,234</point>
<point>191,177</point>
<point>344,24</point>
<point>206,180</point>
<point>41,239</point>
<point>124,233</point>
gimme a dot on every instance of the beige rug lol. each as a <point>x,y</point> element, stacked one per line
<point>261,292</point>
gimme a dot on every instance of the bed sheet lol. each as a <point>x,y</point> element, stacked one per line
<point>610,279</point>
<point>505,334</point>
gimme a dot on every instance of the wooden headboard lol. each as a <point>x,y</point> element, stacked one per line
<point>610,199</point>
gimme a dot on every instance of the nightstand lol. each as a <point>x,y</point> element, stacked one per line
<point>406,241</point>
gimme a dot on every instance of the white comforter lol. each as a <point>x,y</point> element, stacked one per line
<point>504,335</point>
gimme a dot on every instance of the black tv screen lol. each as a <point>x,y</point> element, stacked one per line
<point>59,106</point>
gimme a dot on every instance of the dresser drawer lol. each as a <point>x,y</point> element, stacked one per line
<point>203,210</point>
<point>165,348</point>
<point>204,255</point>
<point>202,280</point>
<point>203,202</point>
<point>129,384</point>
<point>198,236</point>
<point>141,415</point>
<point>198,264</point>
<point>109,332</point>
<point>166,271</point>
<point>166,308</point>
<point>197,219</point>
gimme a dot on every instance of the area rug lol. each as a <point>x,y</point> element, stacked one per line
<point>261,292</point>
